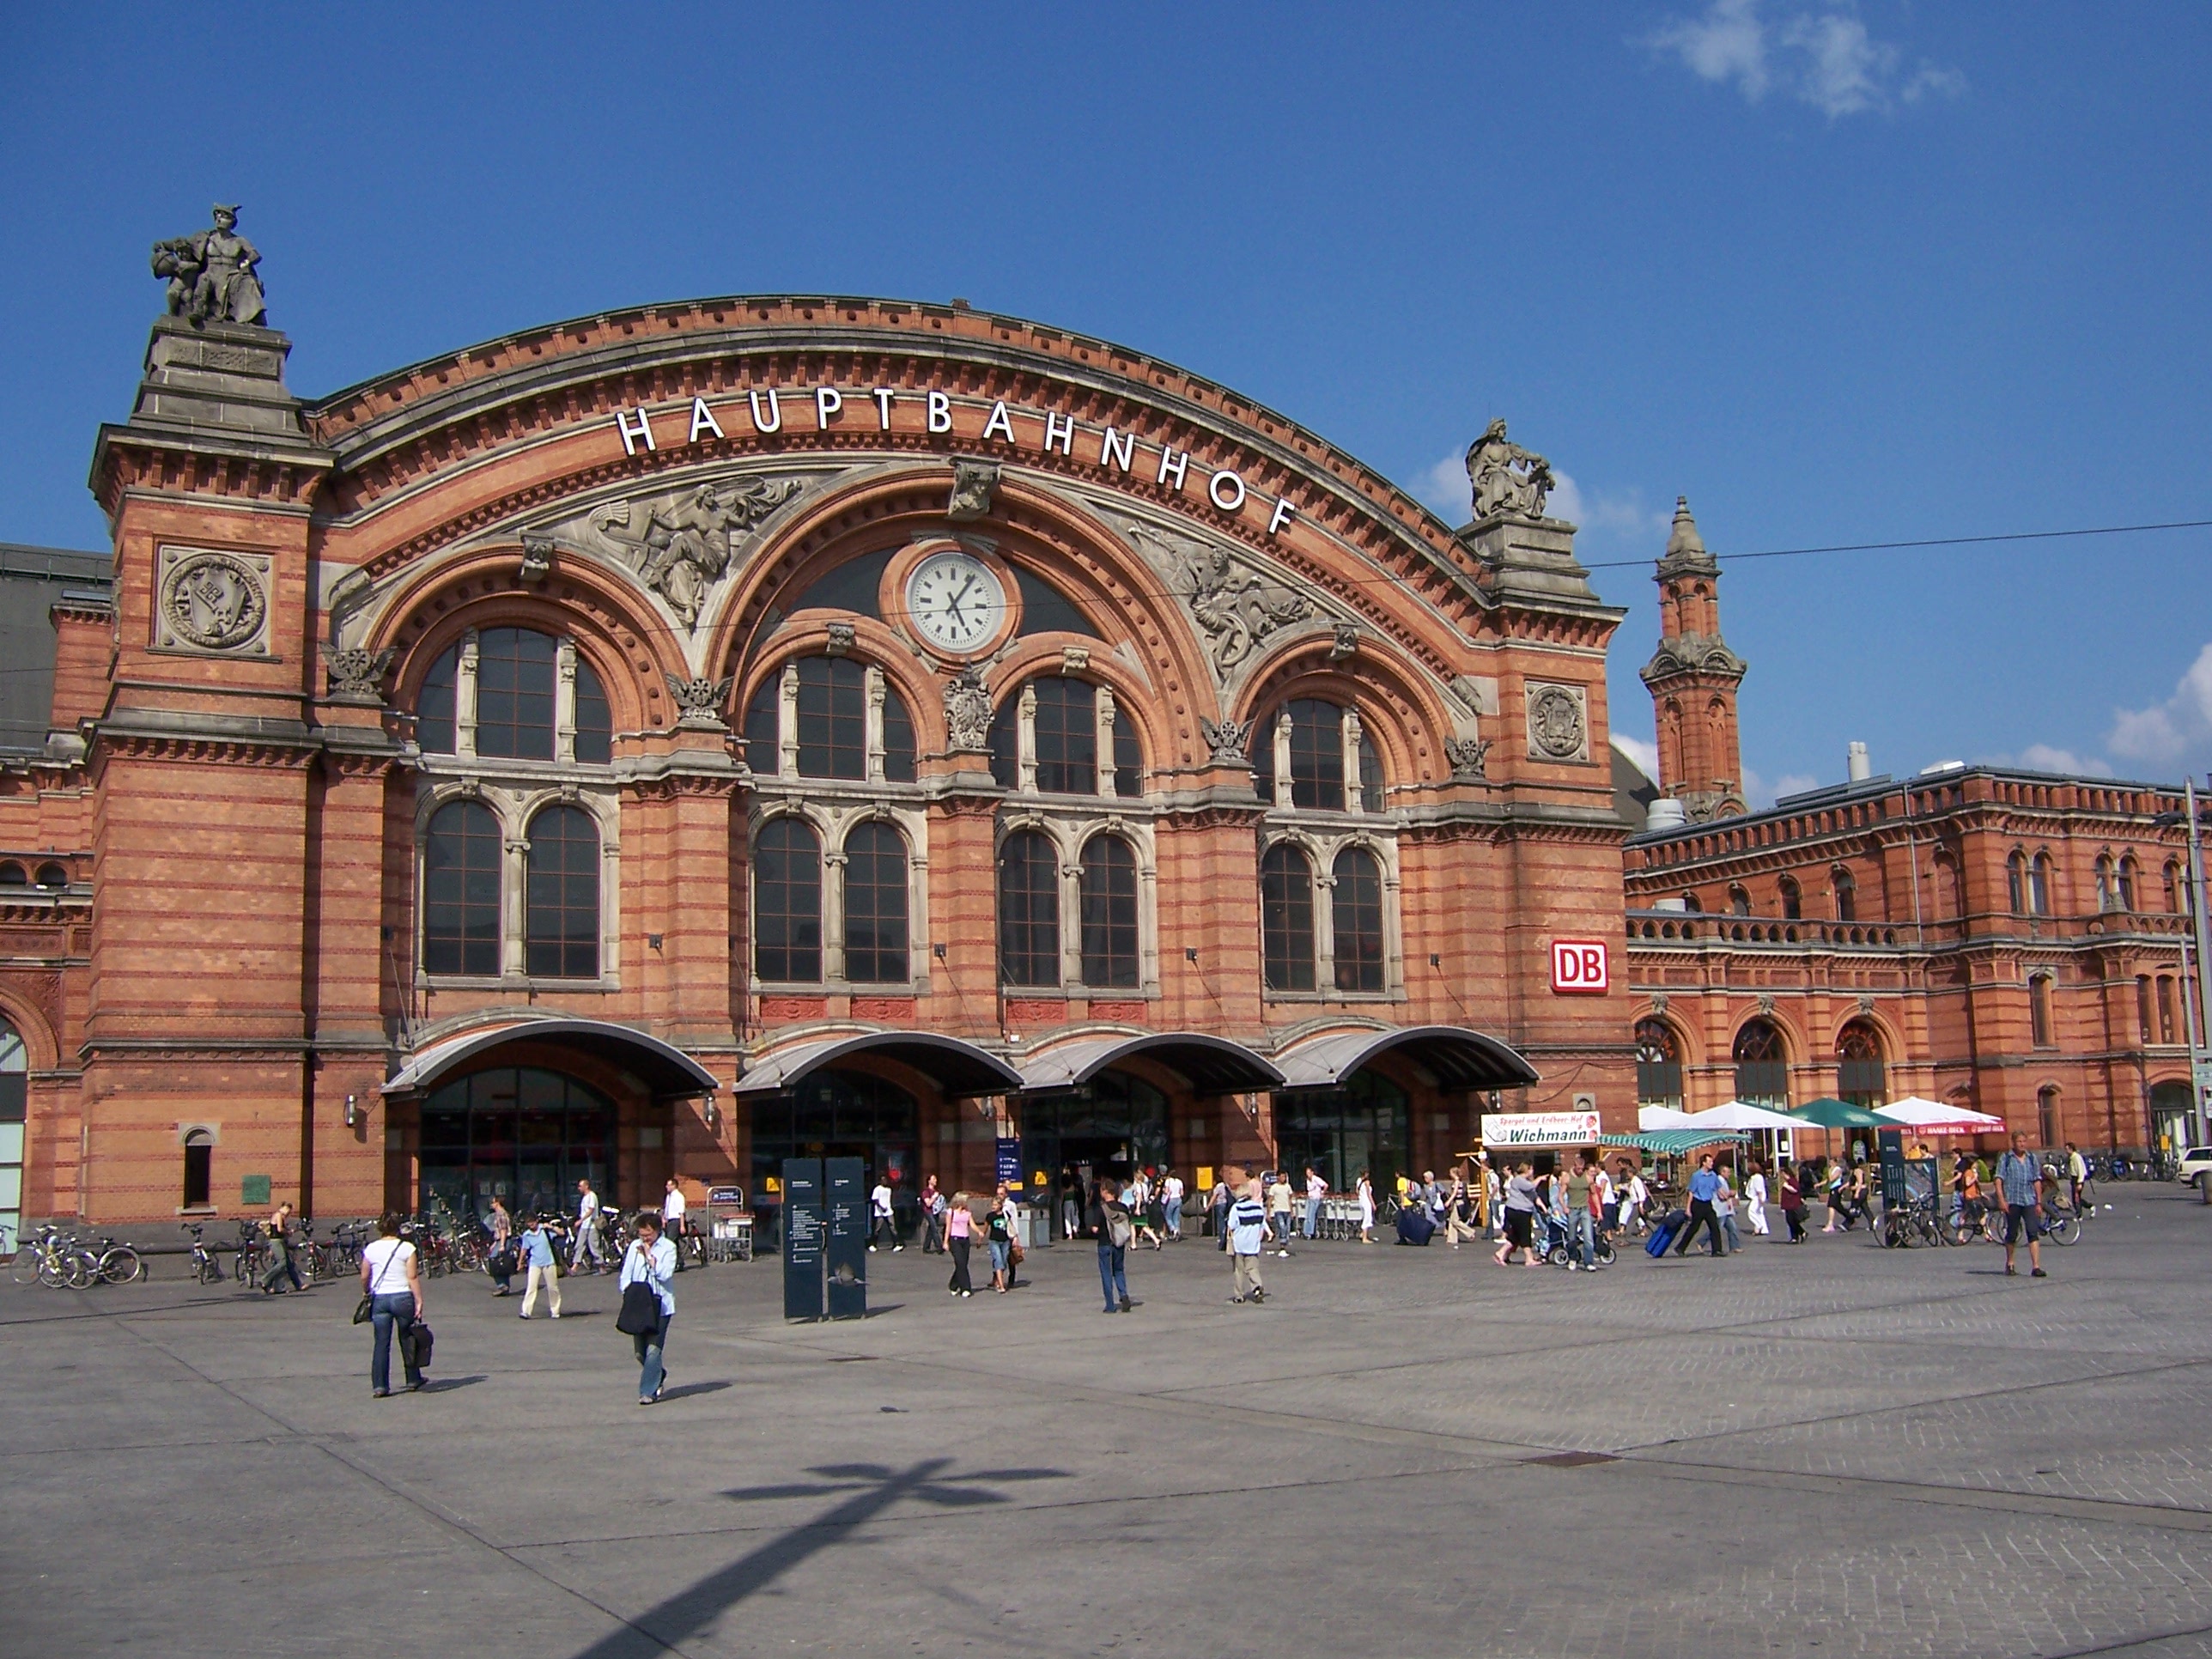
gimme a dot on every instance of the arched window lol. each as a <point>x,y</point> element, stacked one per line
<point>2130,882</point>
<point>1692,904</point>
<point>595,735</point>
<point>1859,1071</point>
<point>2047,1120</point>
<point>1739,901</point>
<point>832,725</point>
<point>833,718</point>
<point>14,1109</point>
<point>2108,886</point>
<point>1286,919</point>
<point>1356,919</point>
<point>1028,910</point>
<point>561,926</point>
<point>2039,885</point>
<point>875,906</point>
<point>787,903</point>
<point>2016,883</point>
<point>1847,894</point>
<point>2172,873</point>
<point>11,875</point>
<point>435,731</point>
<point>1658,1065</point>
<point>2039,1010</point>
<point>460,891</point>
<point>516,668</point>
<point>199,1168</point>
<point>1063,717</point>
<point>1302,752</point>
<point>1793,900</point>
<point>1762,1065</point>
<point>1109,913</point>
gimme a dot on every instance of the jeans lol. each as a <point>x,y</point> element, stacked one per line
<point>385,1312</point>
<point>933,1235</point>
<point>652,1357</point>
<point>1727,1227</point>
<point>1111,1260</point>
<point>1002,1255</point>
<point>1313,1217</point>
<point>1172,1212</point>
<point>1282,1229</point>
<point>1581,1232</point>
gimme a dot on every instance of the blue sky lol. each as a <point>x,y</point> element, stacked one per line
<point>1839,272</point>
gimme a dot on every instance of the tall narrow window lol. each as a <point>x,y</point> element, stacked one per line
<point>1739,901</point>
<point>2108,898</point>
<point>1793,900</point>
<point>1316,755</point>
<point>787,903</point>
<point>833,718</point>
<point>515,672</point>
<point>1286,919</point>
<point>1847,895</point>
<point>1004,744</point>
<point>434,731</point>
<point>595,726</point>
<point>2130,881</point>
<point>561,927</point>
<point>1370,775</point>
<point>2039,1010</point>
<point>2039,885</point>
<point>1129,759</point>
<point>2165,1022</point>
<point>2016,883</point>
<point>2173,874</point>
<point>1109,913</point>
<point>898,739</point>
<point>1028,910</point>
<point>460,891</point>
<point>1356,919</point>
<point>1067,736</point>
<point>2142,1005</point>
<point>2046,1116</point>
<point>199,1168</point>
<point>765,728</point>
<point>1762,1065</point>
<point>875,906</point>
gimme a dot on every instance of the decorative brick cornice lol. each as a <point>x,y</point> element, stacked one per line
<point>277,754</point>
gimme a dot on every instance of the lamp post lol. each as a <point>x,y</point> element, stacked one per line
<point>2203,987</point>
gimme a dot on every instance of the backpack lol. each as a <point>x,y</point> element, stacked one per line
<point>1119,1232</point>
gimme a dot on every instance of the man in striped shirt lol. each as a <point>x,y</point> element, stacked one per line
<point>1247,1235</point>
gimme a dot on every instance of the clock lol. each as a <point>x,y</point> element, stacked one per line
<point>955,600</point>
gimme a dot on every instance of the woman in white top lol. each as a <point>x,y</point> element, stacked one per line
<point>651,1260</point>
<point>1754,1200</point>
<point>1366,1209</point>
<point>392,1279</point>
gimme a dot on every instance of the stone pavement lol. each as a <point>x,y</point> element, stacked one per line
<point>1833,1448</point>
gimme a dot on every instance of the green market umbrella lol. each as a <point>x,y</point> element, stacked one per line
<point>1833,1114</point>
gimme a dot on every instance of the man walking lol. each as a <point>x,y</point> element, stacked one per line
<point>1247,1236</point>
<point>1278,1211</point>
<point>588,1231</point>
<point>538,1261</point>
<point>2019,1178</point>
<point>671,1219</point>
<point>1582,1224</point>
<point>1705,1188</point>
<point>879,1211</point>
<point>1317,1190</point>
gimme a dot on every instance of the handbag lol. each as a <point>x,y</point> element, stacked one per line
<point>640,1310</point>
<point>502,1266</point>
<point>363,1309</point>
<point>416,1340</point>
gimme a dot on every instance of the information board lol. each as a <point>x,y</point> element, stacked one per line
<point>1009,1161</point>
<point>845,1206</point>
<point>803,1286</point>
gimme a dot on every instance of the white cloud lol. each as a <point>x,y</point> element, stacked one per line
<point>1760,795</point>
<point>1445,487</point>
<point>2043,757</point>
<point>1645,755</point>
<point>2167,731</point>
<point>1610,515</point>
<point>1827,59</point>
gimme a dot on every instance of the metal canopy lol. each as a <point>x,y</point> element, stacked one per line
<point>957,1067</point>
<point>668,1071</point>
<point>1209,1064</point>
<point>1456,1057</point>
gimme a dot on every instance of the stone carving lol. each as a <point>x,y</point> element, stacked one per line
<point>1227,740</point>
<point>1476,696</point>
<point>840,641</point>
<point>536,559</point>
<point>1075,658</point>
<point>215,601</point>
<point>1557,728</point>
<point>1507,479</point>
<point>1345,642</point>
<point>356,675</point>
<point>974,483</point>
<point>213,275</point>
<point>699,702</point>
<point>1237,609</point>
<point>1694,654</point>
<point>682,548</point>
<point>968,711</point>
<point>1468,757</point>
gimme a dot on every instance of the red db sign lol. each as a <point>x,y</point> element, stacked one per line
<point>1578,968</point>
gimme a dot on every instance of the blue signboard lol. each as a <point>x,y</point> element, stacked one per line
<point>1010,1162</point>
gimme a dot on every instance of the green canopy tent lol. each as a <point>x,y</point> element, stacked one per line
<point>1833,1114</point>
<point>1674,1142</point>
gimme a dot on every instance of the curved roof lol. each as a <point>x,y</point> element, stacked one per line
<point>669,1073</point>
<point>1211,1065</point>
<point>957,1067</point>
<point>1456,1057</point>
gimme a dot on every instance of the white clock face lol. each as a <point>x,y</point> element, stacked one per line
<point>955,602</point>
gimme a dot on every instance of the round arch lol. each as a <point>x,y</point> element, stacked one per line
<point>1397,708</point>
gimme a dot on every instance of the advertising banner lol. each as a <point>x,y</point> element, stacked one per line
<point>1539,1129</point>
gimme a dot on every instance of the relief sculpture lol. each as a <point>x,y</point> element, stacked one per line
<point>1237,609</point>
<point>682,548</point>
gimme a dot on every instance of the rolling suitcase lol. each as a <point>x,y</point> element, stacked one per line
<point>1664,1235</point>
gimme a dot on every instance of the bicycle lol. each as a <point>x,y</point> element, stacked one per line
<point>114,1264</point>
<point>1906,1225</point>
<point>206,1270</point>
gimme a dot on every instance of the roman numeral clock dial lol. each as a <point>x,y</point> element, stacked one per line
<point>955,601</point>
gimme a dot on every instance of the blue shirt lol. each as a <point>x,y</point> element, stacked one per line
<point>658,1270</point>
<point>1703,1185</point>
<point>536,1249</point>
<point>1248,1226</point>
<point>2017,1173</point>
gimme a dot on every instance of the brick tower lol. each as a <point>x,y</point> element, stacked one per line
<point>1693,678</point>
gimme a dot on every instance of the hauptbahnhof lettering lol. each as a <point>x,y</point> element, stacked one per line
<point>673,740</point>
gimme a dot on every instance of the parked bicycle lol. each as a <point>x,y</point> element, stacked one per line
<point>206,1270</point>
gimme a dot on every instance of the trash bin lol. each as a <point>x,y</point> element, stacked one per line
<point>2204,1186</point>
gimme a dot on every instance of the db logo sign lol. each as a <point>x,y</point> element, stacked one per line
<point>1578,968</point>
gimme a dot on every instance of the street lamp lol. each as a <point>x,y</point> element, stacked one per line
<point>2200,1066</point>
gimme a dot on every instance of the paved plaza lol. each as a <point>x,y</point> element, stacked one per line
<point>1833,1448</point>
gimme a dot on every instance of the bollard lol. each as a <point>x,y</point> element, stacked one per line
<point>2204,1185</point>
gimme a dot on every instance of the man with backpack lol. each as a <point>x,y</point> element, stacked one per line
<point>1247,1235</point>
<point>2019,1178</point>
<point>1107,1221</point>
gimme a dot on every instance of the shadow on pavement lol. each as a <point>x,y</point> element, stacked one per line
<point>447,1384</point>
<point>690,1388</point>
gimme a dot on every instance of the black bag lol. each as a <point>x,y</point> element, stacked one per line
<point>1414,1226</point>
<point>415,1342</point>
<point>502,1266</point>
<point>363,1311</point>
<point>640,1310</point>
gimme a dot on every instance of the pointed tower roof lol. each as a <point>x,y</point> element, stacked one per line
<point>1686,548</point>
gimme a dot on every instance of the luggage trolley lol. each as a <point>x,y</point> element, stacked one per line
<point>729,1225</point>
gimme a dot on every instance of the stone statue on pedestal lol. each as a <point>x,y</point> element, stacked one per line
<point>213,275</point>
<point>1507,479</point>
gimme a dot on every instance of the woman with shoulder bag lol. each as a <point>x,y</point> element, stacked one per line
<point>392,1283</point>
<point>649,1302</point>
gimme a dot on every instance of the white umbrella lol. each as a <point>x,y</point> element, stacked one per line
<point>1740,1114</point>
<point>1651,1118</point>
<point>1932,1116</point>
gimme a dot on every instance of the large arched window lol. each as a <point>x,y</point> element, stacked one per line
<point>787,903</point>
<point>510,706</point>
<point>1046,735</point>
<point>1302,757</point>
<point>1356,919</point>
<point>561,930</point>
<point>835,717</point>
<point>876,906</point>
<point>14,1110</point>
<point>460,891</point>
<point>1109,913</point>
<point>1762,1065</point>
<point>1860,1077</point>
<point>1286,919</point>
<point>1028,910</point>
<point>1658,1065</point>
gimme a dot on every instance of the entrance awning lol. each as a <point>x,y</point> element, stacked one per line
<point>1209,1064</point>
<point>1456,1057</point>
<point>667,1071</point>
<point>958,1068</point>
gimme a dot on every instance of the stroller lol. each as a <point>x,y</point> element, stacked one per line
<point>1559,1247</point>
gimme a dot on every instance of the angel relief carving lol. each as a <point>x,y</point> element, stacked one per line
<point>681,548</point>
<point>1235,608</point>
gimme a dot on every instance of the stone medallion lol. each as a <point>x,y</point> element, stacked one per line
<point>1558,725</point>
<point>213,602</point>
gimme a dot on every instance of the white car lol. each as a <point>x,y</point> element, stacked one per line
<point>2197,1161</point>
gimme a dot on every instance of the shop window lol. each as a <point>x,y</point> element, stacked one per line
<point>1286,919</point>
<point>14,1110</point>
<point>1356,919</point>
<point>460,891</point>
<point>1860,1076</point>
<point>521,1134</point>
<point>199,1169</point>
<point>876,906</point>
<point>1363,1127</point>
<point>1658,1065</point>
<point>1302,754</point>
<point>2039,1010</point>
<point>1028,910</point>
<point>561,929</point>
<point>1762,1065</point>
<point>787,903</point>
<point>1109,913</point>
<point>1793,900</point>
